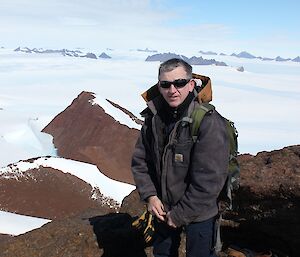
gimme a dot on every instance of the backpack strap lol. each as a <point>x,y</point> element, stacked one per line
<point>196,117</point>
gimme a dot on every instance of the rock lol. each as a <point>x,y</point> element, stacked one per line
<point>280,59</point>
<point>164,57</point>
<point>90,55</point>
<point>104,56</point>
<point>241,69</point>
<point>267,203</point>
<point>91,234</point>
<point>47,193</point>
<point>192,61</point>
<point>297,59</point>
<point>96,138</point>
<point>73,237</point>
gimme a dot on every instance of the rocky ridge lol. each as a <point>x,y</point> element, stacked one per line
<point>84,132</point>
<point>247,55</point>
<point>192,61</point>
<point>64,52</point>
<point>48,193</point>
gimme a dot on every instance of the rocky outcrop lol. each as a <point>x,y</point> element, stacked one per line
<point>267,210</point>
<point>240,69</point>
<point>244,54</point>
<point>90,55</point>
<point>268,173</point>
<point>296,59</point>
<point>84,132</point>
<point>265,217</point>
<point>64,52</point>
<point>48,193</point>
<point>65,237</point>
<point>280,59</point>
<point>104,56</point>
<point>192,61</point>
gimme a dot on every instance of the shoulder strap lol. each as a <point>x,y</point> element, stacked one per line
<point>197,115</point>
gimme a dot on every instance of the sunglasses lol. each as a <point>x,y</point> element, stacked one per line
<point>178,83</point>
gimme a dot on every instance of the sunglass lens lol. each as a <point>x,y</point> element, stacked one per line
<point>179,83</point>
<point>165,84</point>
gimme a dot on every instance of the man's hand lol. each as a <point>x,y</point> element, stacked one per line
<point>170,221</point>
<point>155,206</point>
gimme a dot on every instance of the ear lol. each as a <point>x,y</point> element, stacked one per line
<point>191,85</point>
<point>159,88</point>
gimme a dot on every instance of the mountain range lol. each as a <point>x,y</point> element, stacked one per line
<point>64,52</point>
<point>247,55</point>
<point>159,56</point>
<point>192,60</point>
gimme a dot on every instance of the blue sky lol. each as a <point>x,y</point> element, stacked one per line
<point>266,28</point>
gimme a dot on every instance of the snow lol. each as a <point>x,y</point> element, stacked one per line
<point>263,102</point>
<point>16,224</point>
<point>116,113</point>
<point>87,172</point>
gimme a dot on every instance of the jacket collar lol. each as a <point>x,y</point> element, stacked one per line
<point>202,92</point>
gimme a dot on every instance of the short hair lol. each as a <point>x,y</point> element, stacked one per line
<point>172,64</point>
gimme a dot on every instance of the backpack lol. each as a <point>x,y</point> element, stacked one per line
<point>232,181</point>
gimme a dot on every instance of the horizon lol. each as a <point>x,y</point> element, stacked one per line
<point>267,29</point>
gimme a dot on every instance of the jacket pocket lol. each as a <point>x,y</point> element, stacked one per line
<point>182,153</point>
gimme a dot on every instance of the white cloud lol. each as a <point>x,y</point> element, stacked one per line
<point>96,24</point>
<point>159,24</point>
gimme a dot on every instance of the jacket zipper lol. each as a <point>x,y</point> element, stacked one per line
<point>164,159</point>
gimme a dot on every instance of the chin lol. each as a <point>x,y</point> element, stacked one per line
<point>173,104</point>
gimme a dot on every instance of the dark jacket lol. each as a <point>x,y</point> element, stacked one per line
<point>186,176</point>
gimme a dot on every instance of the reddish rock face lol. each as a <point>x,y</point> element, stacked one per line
<point>47,193</point>
<point>269,173</point>
<point>84,132</point>
<point>66,237</point>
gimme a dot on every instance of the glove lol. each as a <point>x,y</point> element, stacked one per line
<point>145,224</point>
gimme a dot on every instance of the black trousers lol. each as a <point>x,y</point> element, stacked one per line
<point>200,239</point>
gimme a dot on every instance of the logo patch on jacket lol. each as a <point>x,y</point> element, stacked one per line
<point>178,157</point>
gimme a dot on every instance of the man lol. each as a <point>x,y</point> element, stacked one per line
<point>180,179</point>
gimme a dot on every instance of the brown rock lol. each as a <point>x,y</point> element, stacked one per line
<point>86,133</point>
<point>91,234</point>
<point>72,237</point>
<point>46,192</point>
<point>268,173</point>
<point>267,204</point>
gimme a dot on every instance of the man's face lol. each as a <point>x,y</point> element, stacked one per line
<point>174,96</point>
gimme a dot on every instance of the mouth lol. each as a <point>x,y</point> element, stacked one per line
<point>173,96</point>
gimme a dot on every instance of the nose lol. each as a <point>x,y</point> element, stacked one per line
<point>172,89</point>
